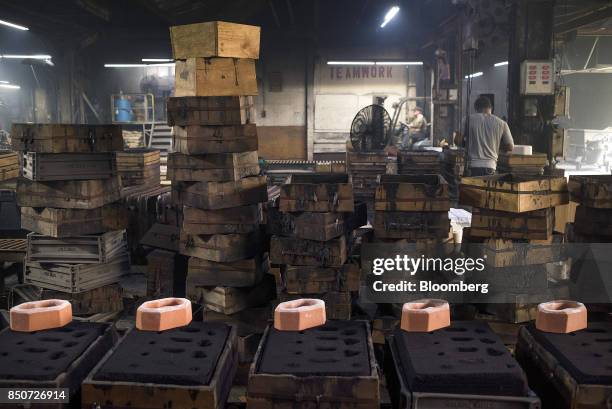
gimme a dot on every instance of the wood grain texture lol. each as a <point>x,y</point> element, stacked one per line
<point>215,77</point>
<point>215,39</point>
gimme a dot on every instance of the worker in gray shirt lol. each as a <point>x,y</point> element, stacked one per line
<point>486,137</point>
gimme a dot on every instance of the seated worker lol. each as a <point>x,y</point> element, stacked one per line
<point>417,129</point>
<point>487,136</point>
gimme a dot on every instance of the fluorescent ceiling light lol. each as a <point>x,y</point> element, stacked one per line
<point>9,86</point>
<point>157,60</point>
<point>351,63</point>
<point>170,64</point>
<point>13,25</point>
<point>501,64</point>
<point>4,82</point>
<point>399,63</point>
<point>389,16</point>
<point>475,75</point>
<point>25,56</point>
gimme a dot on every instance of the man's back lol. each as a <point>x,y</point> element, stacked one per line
<point>487,132</point>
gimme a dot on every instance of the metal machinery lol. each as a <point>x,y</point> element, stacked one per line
<point>137,110</point>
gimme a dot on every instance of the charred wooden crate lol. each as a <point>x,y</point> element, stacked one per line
<point>139,166</point>
<point>231,300</point>
<point>78,194</point>
<point>412,193</point>
<point>317,192</point>
<point>465,365</point>
<point>199,140</point>
<point>162,236</point>
<point>241,273</point>
<point>44,167</point>
<point>103,299</point>
<point>328,366</point>
<point>591,191</point>
<point>75,278</point>
<point>454,161</point>
<point>511,193</point>
<point>207,111</point>
<point>319,280</point>
<point>364,168</point>
<point>534,225</point>
<point>89,249</point>
<point>185,367</point>
<point>338,304</point>
<point>411,225</point>
<point>220,167</point>
<point>148,205</point>
<point>591,221</point>
<point>53,358</point>
<point>215,77</point>
<point>316,226</point>
<point>418,162</point>
<point>160,273</point>
<point>65,138</point>
<point>221,195</point>
<point>58,223</point>
<point>506,253</point>
<point>9,165</point>
<point>569,371</point>
<point>222,248</point>
<point>215,39</point>
<point>289,250</point>
<point>240,220</point>
<point>522,164</point>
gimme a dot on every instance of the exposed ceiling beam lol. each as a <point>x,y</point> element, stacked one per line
<point>589,17</point>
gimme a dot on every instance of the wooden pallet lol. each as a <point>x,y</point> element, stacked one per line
<point>46,167</point>
<point>89,249</point>
<point>424,193</point>
<point>210,111</point>
<point>213,167</point>
<point>66,138</point>
<point>317,192</point>
<point>221,195</point>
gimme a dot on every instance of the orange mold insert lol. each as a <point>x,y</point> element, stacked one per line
<point>425,315</point>
<point>298,315</point>
<point>561,316</point>
<point>39,315</point>
<point>163,314</point>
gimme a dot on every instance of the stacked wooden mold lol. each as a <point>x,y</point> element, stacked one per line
<point>9,211</point>
<point>69,197</point>
<point>452,169</point>
<point>418,162</point>
<point>512,229</point>
<point>525,165</point>
<point>9,167</point>
<point>214,167</point>
<point>593,220</point>
<point>312,236</point>
<point>138,167</point>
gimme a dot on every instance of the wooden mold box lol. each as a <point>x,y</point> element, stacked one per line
<point>221,195</point>
<point>509,160</point>
<point>79,194</point>
<point>423,193</point>
<point>233,220</point>
<point>67,371</point>
<point>160,273</point>
<point>215,77</point>
<point>66,138</point>
<point>215,39</point>
<point>222,248</point>
<point>516,194</point>
<point>241,273</point>
<point>88,249</point>
<point>411,225</point>
<point>43,167</point>
<point>136,159</point>
<point>197,140</point>
<point>317,192</point>
<point>163,236</point>
<point>535,225</point>
<point>590,221</point>
<point>591,191</point>
<point>58,223</point>
<point>319,280</point>
<point>223,167</point>
<point>100,300</point>
<point>207,111</point>
<point>289,250</point>
<point>9,165</point>
<point>145,387</point>
<point>323,374</point>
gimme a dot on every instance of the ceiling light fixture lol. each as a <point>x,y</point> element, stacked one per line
<point>157,60</point>
<point>13,25</point>
<point>26,56</point>
<point>351,63</point>
<point>9,86</point>
<point>475,75</point>
<point>389,16</point>
<point>501,64</point>
<point>399,63</point>
<point>170,64</point>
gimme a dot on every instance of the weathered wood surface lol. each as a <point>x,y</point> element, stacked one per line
<point>241,273</point>
<point>79,194</point>
<point>136,158</point>
<point>222,167</point>
<point>215,39</point>
<point>206,111</point>
<point>506,253</point>
<point>222,248</point>
<point>591,221</point>
<point>160,273</point>
<point>538,160</point>
<point>317,192</point>
<point>319,280</point>
<point>416,193</point>
<point>9,165</point>
<point>196,140</point>
<point>42,167</point>
<point>215,77</point>
<point>65,138</point>
<point>103,299</point>
<point>418,162</point>
<point>243,219</point>
<point>288,250</point>
<point>511,193</point>
<point>162,236</point>
<point>56,222</point>
<point>536,225</point>
<point>411,225</point>
<point>591,191</point>
<point>221,195</point>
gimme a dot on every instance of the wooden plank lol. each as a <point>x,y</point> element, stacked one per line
<point>591,191</point>
<point>423,193</point>
<point>206,111</point>
<point>411,225</point>
<point>241,273</point>
<point>537,160</point>
<point>215,39</point>
<point>319,280</point>
<point>221,195</point>
<point>79,194</point>
<point>507,253</point>
<point>42,167</point>
<point>215,77</point>
<point>195,140</point>
<point>221,167</point>
<point>511,193</point>
<point>288,250</point>
<point>136,158</point>
<point>9,165</point>
<point>220,247</point>
<point>57,223</point>
<point>243,219</point>
<point>317,192</point>
<point>536,225</point>
<point>66,138</point>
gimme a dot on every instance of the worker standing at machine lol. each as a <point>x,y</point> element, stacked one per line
<point>417,129</point>
<point>487,135</point>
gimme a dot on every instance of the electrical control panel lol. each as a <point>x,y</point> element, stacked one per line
<point>537,78</point>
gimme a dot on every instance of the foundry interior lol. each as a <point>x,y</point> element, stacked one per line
<point>273,204</point>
